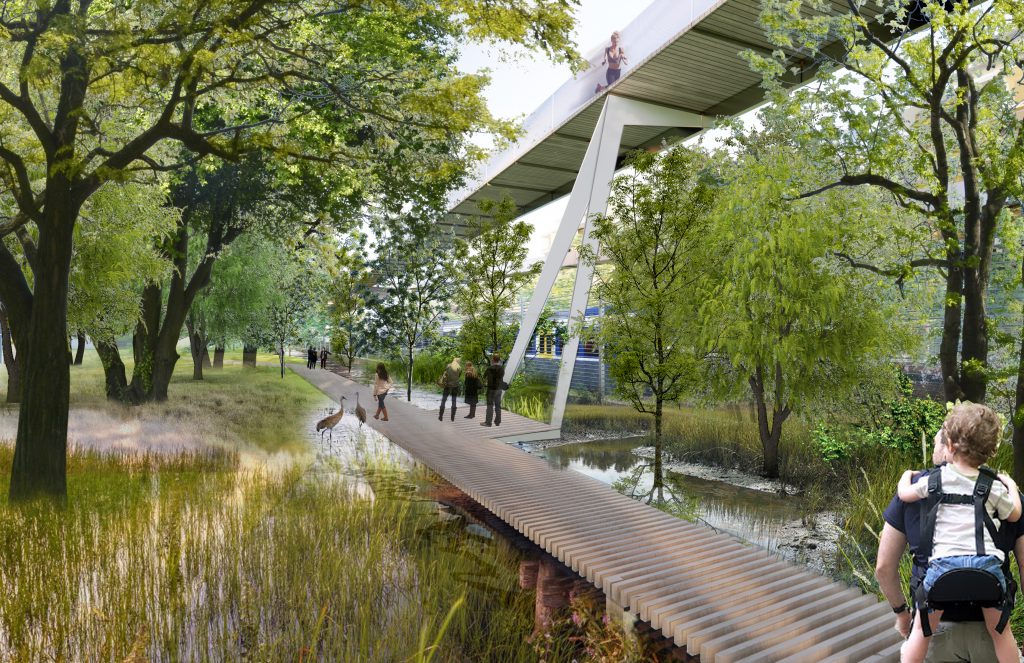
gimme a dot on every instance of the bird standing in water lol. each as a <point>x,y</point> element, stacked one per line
<point>360,411</point>
<point>329,422</point>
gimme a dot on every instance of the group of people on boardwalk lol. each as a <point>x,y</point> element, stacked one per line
<point>312,357</point>
<point>960,520</point>
<point>493,381</point>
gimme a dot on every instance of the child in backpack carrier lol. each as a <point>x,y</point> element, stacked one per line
<point>971,437</point>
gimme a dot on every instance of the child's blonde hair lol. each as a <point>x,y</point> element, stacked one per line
<point>470,370</point>
<point>972,432</point>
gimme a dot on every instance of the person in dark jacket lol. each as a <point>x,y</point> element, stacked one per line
<point>473,385</point>
<point>323,358</point>
<point>310,357</point>
<point>449,381</point>
<point>494,378</point>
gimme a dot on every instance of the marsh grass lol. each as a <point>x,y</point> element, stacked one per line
<point>204,562</point>
<point>196,556</point>
<point>726,437</point>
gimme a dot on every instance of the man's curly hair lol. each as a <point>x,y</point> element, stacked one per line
<point>972,432</point>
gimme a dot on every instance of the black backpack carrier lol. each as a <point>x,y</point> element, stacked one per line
<point>961,587</point>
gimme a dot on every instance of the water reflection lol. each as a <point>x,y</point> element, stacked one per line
<point>753,515</point>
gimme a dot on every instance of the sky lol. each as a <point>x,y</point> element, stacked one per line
<point>519,85</point>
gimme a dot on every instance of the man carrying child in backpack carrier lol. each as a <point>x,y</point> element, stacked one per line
<point>964,503</point>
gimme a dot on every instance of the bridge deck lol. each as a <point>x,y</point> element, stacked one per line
<point>718,597</point>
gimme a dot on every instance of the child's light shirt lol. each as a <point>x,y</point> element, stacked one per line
<point>954,524</point>
<point>381,386</point>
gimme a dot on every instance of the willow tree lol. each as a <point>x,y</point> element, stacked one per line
<point>927,117</point>
<point>91,91</point>
<point>784,320</point>
<point>654,240</point>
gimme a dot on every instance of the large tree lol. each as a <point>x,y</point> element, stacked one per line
<point>654,240</point>
<point>492,271</point>
<point>89,92</point>
<point>928,118</point>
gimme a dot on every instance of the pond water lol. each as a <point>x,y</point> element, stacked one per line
<point>753,515</point>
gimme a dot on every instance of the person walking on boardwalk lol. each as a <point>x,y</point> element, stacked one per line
<point>494,378</point>
<point>473,385</point>
<point>323,358</point>
<point>381,386</point>
<point>449,381</point>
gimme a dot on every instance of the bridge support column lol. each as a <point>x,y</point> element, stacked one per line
<point>554,583</point>
<point>589,197</point>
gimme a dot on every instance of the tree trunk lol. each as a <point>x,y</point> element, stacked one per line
<point>282,359</point>
<point>408,375</point>
<point>218,357</point>
<point>658,488</point>
<point>113,371</point>
<point>249,356</point>
<point>80,350</point>
<point>1018,408</point>
<point>10,361</point>
<point>40,452</point>
<point>162,335</point>
<point>949,348</point>
<point>195,342</point>
<point>144,342</point>
<point>974,345</point>
<point>769,432</point>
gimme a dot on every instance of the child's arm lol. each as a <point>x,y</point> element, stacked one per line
<point>906,490</point>
<point>1011,485</point>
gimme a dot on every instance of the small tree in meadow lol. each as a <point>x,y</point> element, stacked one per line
<point>653,239</point>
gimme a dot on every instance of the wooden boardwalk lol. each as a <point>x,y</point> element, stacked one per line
<point>712,594</point>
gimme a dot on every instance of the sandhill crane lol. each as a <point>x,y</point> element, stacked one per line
<point>360,411</point>
<point>329,422</point>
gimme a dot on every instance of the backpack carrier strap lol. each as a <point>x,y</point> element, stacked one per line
<point>929,511</point>
<point>982,489</point>
<point>982,522</point>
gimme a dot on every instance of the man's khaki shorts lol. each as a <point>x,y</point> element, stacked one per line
<point>961,642</point>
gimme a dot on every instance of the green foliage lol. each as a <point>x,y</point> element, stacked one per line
<point>492,274</point>
<point>244,286</point>
<point>784,316</point>
<point>654,240</point>
<point>115,257</point>
<point>934,123</point>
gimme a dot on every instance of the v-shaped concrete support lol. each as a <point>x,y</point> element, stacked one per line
<point>589,197</point>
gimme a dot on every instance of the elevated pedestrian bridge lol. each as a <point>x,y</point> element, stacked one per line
<point>684,69</point>
<point>721,599</point>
